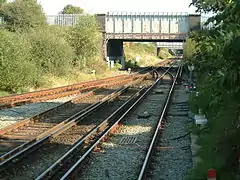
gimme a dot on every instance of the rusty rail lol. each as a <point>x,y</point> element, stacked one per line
<point>34,143</point>
<point>16,100</point>
<point>22,150</point>
<point>47,94</point>
<point>94,137</point>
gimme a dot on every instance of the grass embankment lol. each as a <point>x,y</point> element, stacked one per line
<point>146,52</point>
<point>51,81</point>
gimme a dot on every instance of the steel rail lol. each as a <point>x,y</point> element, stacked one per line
<point>22,150</point>
<point>36,118</point>
<point>48,91</point>
<point>150,149</point>
<point>7,102</point>
<point>54,93</point>
<point>47,174</point>
<point>65,88</point>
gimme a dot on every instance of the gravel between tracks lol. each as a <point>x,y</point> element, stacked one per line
<point>172,156</point>
<point>29,131</point>
<point>12,115</point>
<point>15,114</point>
<point>123,161</point>
<point>34,165</point>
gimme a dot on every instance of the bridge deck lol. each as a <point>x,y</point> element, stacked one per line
<point>147,36</point>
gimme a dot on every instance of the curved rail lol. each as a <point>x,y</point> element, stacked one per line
<point>22,150</point>
<point>148,155</point>
<point>25,148</point>
<point>37,117</point>
<point>108,125</point>
<point>38,96</point>
<point>54,93</point>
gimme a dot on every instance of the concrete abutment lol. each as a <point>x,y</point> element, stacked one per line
<point>114,52</point>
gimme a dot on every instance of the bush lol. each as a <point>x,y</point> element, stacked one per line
<point>70,9</point>
<point>217,65</point>
<point>50,51</point>
<point>23,15</point>
<point>189,49</point>
<point>85,40</point>
<point>164,53</point>
<point>17,71</point>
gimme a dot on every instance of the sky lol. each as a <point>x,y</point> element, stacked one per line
<point>53,7</point>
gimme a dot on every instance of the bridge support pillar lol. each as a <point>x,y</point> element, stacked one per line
<point>158,50</point>
<point>115,51</point>
<point>123,62</point>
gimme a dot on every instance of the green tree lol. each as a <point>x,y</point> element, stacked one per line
<point>2,2</point>
<point>217,62</point>
<point>17,69</point>
<point>70,9</point>
<point>50,51</point>
<point>23,15</point>
<point>189,49</point>
<point>85,39</point>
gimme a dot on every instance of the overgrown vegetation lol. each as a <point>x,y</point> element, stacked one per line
<point>218,71</point>
<point>147,54</point>
<point>85,40</point>
<point>22,15</point>
<point>189,49</point>
<point>50,51</point>
<point>17,69</point>
<point>70,9</point>
<point>32,50</point>
<point>2,2</point>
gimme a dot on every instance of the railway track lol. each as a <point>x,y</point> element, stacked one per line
<point>32,128</point>
<point>54,93</point>
<point>31,134</point>
<point>66,136</point>
<point>37,126</point>
<point>66,166</point>
<point>125,152</point>
<point>45,120</point>
<point>156,135</point>
<point>39,96</point>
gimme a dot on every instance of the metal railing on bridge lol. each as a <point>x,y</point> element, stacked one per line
<point>61,20</point>
<point>64,19</point>
<point>71,19</point>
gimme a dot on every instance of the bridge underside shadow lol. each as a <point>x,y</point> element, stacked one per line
<point>115,51</point>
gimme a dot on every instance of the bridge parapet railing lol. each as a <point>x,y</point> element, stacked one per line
<point>64,19</point>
